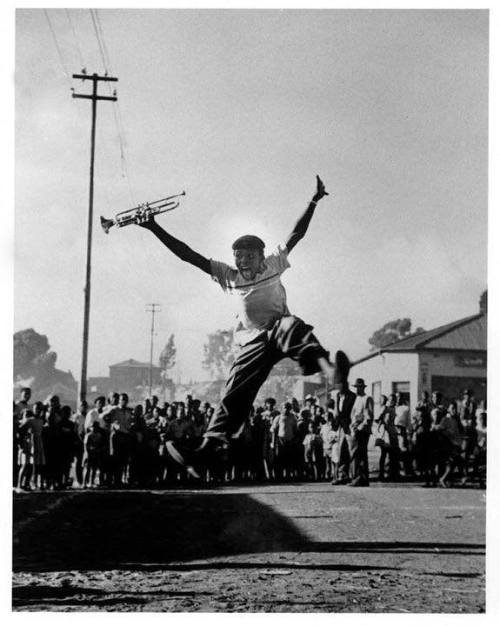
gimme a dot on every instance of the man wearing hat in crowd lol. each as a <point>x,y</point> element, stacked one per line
<point>344,401</point>
<point>361,428</point>
<point>265,330</point>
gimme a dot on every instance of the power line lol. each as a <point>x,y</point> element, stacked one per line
<point>103,41</point>
<point>99,33</point>
<point>61,59</point>
<point>101,49</point>
<point>75,37</point>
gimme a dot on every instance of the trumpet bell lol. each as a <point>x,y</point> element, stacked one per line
<point>106,224</point>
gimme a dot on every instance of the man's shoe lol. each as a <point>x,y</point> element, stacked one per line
<point>342,367</point>
<point>357,482</point>
<point>340,481</point>
<point>193,461</point>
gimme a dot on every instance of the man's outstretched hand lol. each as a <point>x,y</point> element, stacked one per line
<point>320,190</point>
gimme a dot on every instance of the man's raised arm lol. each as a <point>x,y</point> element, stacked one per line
<point>179,248</point>
<point>303,223</point>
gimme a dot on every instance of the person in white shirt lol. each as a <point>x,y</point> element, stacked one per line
<point>361,428</point>
<point>266,330</point>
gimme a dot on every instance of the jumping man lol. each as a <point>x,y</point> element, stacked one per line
<point>266,331</point>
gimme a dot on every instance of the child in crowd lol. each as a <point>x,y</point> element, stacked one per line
<point>94,448</point>
<point>25,455</point>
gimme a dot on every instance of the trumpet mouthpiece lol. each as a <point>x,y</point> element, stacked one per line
<point>106,224</point>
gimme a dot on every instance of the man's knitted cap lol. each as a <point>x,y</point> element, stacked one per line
<point>249,242</point>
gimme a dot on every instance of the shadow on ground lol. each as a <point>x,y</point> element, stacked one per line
<point>144,530</point>
<point>80,543</point>
<point>107,530</point>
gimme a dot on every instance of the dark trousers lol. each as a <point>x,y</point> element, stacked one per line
<point>358,449</point>
<point>344,458</point>
<point>289,337</point>
<point>79,462</point>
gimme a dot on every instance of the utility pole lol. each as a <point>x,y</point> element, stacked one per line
<point>155,307</point>
<point>86,311</point>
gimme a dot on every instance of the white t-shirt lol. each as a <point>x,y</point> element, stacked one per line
<point>261,301</point>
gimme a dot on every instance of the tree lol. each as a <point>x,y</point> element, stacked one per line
<point>35,366</point>
<point>483,302</point>
<point>167,357</point>
<point>219,353</point>
<point>391,332</point>
<point>32,354</point>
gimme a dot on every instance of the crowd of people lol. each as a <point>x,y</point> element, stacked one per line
<point>113,445</point>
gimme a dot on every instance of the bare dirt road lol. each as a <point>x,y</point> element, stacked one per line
<point>271,548</point>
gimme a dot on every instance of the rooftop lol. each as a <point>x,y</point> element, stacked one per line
<point>132,363</point>
<point>468,333</point>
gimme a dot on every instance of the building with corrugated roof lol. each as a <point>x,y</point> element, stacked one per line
<point>449,359</point>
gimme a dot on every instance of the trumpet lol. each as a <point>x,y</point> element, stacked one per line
<point>142,212</point>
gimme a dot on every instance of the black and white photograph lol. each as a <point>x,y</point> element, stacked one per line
<point>250,311</point>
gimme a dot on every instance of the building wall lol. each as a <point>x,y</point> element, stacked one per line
<point>457,370</point>
<point>125,378</point>
<point>386,369</point>
<point>466,370</point>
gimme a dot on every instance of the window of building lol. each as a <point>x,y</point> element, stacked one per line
<point>403,388</point>
<point>376,391</point>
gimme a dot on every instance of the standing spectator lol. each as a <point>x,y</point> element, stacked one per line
<point>198,424</point>
<point>20,406</point>
<point>38,450</point>
<point>68,445</point>
<point>402,422</point>
<point>361,426</point>
<point>329,433</point>
<point>95,414</point>
<point>260,437</point>
<point>51,446</point>
<point>138,448</point>
<point>79,419</point>
<point>268,416</point>
<point>23,403</point>
<point>437,408</point>
<point>468,407</point>
<point>152,447</point>
<point>54,409</point>
<point>469,441</point>
<point>25,454</point>
<point>402,418</point>
<point>381,410</point>
<point>344,401</point>
<point>424,445</point>
<point>179,428</point>
<point>451,429</point>
<point>310,403</point>
<point>283,429</point>
<point>481,408</point>
<point>162,451</point>
<point>313,452</point>
<point>95,444</point>
<point>479,462</point>
<point>387,440</point>
<point>425,406</point>
<point>119,445</point>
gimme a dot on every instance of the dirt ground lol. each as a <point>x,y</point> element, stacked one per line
<point>270,548</point>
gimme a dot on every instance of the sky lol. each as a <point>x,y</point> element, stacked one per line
<point>241,109</point>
